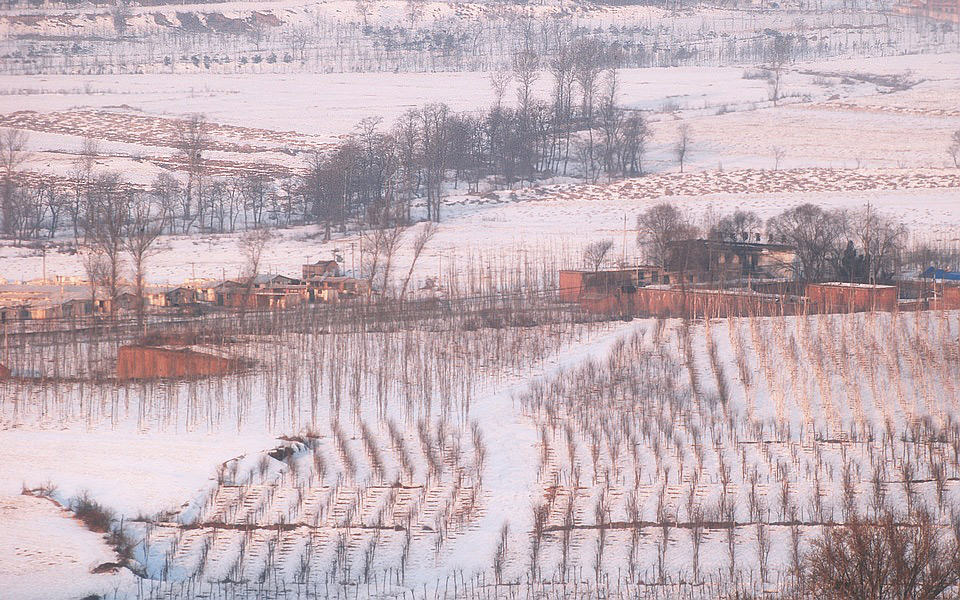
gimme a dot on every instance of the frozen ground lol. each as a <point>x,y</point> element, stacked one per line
<point>605,432</point>
<point>132,472</point>
<point>732,121</point>
<point>848,138</point>
<point>323,108</point>
<point>45,553</point>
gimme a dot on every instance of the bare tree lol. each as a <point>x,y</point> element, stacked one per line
<point>886,558</point>
<point>780,55</point>
<point>434,143</point>
<point>778,155</point>
<point>660,225</point>
<point>882,241</point>
<point>57,201</point>
<point>420,242</point>
<point>500,80</point>
<point>415,10</point>
<point>635,134</point>
<point>166,191</point>
<point>120,12</point>
<point>255,190</point>
<point>954,149</point>
<point>817,236</point>
<point>526,70</point>
<point>500,555</point>
<point>682,147</point>
<point>589,160</point>
<point>739,226</point>
<point>389,242</point>
<point>252,244</point>
<point>95,268</point>
<point>363,8</point>
<point>596,252</point>
<point>13,153</point>
<point>589,60</point>
<point>81,175</point>
<point>107,217</point>
<point>299,38</point>
<point>139,242</point>
<point>192,139</point>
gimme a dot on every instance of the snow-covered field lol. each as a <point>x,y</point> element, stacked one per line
<point>454,455</point>
<point>305,111</point>
<point>48,554</point>
<point>635,454</point>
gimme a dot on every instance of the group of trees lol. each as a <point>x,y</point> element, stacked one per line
<point>37,205</point>
<point>120,225</point>
<point>861,245</point>
<point>377,175</point>
<point>886,557</point>
<point>579,130</point>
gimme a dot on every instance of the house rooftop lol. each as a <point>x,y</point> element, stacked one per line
<point>934,273</point>
<point>728,244</point>
<point>841,284</point>
<point>615,269</point>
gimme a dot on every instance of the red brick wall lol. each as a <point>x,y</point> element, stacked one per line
<point>571,284</point>
<point>950,297</point>
<point>143,362</point>
<point>675,303</point>
<point>842,298</point>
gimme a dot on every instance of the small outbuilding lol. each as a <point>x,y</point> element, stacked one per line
<point>148,362</point>
<point>576,282</point>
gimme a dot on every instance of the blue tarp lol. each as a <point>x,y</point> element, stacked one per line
<point>932,273</point>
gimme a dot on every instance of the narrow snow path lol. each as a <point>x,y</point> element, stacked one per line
<point>510,489</point>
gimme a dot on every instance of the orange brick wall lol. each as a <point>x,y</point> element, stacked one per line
<point>143,362</point>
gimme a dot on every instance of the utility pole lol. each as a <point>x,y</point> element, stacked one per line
<point>623,259</point>
<point>866,248</point>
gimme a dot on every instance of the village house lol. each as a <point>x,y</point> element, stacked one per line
<point>323,268</point>
<point>575,282</point>
<point>175,297</point>
<point>153,362</point>
<point>939,10</point>
<point>335,289</point>
<point>76,308</point>
<point>702,260</point>
<point>261,282</point>
<point>38,312</point>
<point>126,301</point>
<point>13,312</point>
<point>230,294</point>
<point>22,303</point>
<point>268,291</point>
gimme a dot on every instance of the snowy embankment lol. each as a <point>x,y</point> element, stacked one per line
<point>45,553</point>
